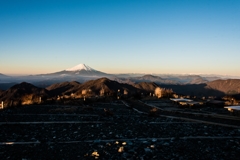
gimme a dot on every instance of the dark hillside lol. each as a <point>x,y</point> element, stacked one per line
<point>110,87</point>
<point>23,93</point>
<point>199,90</point>
<point>146,86</point>
<point>61,88</point>
<point>230,86</point>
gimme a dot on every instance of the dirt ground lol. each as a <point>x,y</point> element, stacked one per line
<point>128,129</point>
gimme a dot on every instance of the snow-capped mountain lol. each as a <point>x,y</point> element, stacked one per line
<point>81,67</point>
<point>79,70</point>
<point>83,73</point>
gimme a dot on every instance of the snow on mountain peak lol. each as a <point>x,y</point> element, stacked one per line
<point>80,67</point>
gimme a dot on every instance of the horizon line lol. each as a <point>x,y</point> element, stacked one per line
<point>129,73</point>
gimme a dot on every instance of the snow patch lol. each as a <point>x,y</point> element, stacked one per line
<point>80,67</point>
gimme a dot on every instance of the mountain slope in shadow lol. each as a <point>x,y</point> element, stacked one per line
<point>23,93</point>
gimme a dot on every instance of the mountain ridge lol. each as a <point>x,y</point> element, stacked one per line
<point>83,73</point>
<point>22,94</point>
<point>26,93</point>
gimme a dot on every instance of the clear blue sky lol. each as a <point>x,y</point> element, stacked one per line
<point>120,36</point>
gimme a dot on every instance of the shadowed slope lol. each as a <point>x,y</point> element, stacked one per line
<point>230,86</point>
<point>61,88</point>
<point>146,86</point>
<point>23,93</point>
<point>110,87</point>
<point>151,78</point>
<point>198,90</point>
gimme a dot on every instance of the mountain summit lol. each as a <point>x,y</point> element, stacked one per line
<point>77,71</point>
<point>81,67</point>
<point>83,70</point>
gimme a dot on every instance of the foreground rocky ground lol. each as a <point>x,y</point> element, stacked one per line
<point>118,130</point>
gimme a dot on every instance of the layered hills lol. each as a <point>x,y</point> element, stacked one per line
<point>4,78</point>
<point>146,86</point>
<point>61,88</point>
<point>26,93</point>
<point>23,93</point>
<point>100,86</point>
<point>152,78</point>
<point>213,88</point>
<point>82,77</point>
<point>83,72</point>
<point>229,86</point>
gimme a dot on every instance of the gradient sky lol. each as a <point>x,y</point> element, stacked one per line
<point>120,36</point>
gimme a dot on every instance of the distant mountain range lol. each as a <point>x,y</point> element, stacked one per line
<point>229,86</point>
<point>212,88</point>
<point>105,85</point>
<point>62,88</point>
<point>26,93</point>
<point>4,78</point>
<point>82,73</point>
<point>79,70</point>
<point>192,79</point>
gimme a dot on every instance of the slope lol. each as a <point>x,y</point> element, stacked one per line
<point>230,86</point>
<point>61,88</point>
<point>103,84</point>
<point>23,93</point>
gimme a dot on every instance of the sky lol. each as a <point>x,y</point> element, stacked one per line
<point>120,36</point>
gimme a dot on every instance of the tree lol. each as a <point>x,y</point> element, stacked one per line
<point>158,92</point>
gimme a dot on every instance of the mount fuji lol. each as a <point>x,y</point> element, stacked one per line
<point>82,73</point>
<point>79,70</point>
<point>81,67</point>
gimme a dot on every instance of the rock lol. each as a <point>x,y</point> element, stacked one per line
<point>129,143</point>
<point>166,144</point>
<point>152,146</point>
<point>95,154</point>
<point>147,150</point>
<point>126,155</point>
<point>132,151</point>
<point>96,141</point>
<point>154,140</point>
<point>108,144</point>
<point>120,149</point>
